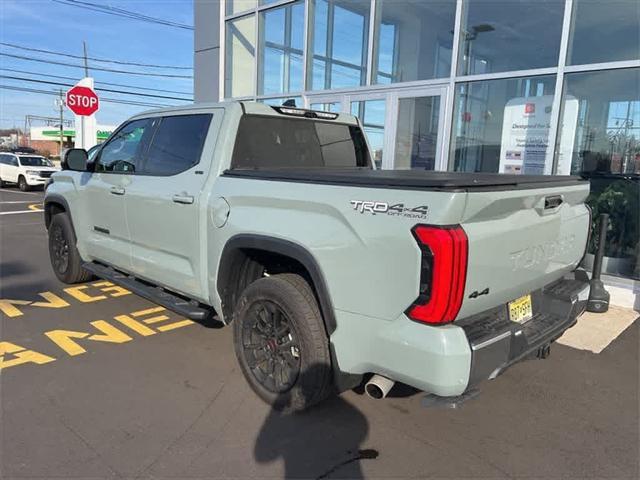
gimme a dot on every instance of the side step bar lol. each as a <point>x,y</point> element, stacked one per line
<point>191,309</point>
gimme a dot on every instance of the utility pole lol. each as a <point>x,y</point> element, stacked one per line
<point>60,104</point>
<point>86,64</point>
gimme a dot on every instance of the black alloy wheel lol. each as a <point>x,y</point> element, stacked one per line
<point>59,249</point>
<point>271,348</point>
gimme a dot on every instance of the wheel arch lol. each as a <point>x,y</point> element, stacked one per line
<point>54,204</point>
<point>246,257</point>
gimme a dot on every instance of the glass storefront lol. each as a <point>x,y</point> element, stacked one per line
<point>339,43</point>
<point>517,86</point>
<point>498,36</point>
<point>413,40</point>
<point>281,49</point>
<point>601,128</point>
<point>617,23</point>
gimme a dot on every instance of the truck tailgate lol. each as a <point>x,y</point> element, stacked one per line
<point>521,240</point>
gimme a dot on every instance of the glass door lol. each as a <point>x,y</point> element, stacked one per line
<point>418,129</point>
<point>372,113</point>
<point>404,128</point>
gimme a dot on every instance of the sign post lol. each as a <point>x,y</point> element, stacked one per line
<point>84,103</point>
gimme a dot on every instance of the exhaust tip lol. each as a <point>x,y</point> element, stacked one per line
<point>374,391</point>
<point>378,387</point>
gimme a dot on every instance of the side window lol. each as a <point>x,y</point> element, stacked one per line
<point>13,160</point>
<point>177,144</point>
<point>3,159</point>
<point>124,152</point>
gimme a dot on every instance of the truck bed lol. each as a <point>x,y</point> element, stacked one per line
<point>408,179</point>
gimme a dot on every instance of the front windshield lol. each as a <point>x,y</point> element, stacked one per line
<point>34,162</point>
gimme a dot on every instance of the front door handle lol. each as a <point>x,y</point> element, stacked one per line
<point>118,190</point>
<point>181,198</point>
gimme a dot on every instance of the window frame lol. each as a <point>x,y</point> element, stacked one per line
<point>157,124</point>
<point>105,144</point>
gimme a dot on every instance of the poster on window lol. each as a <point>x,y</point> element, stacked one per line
<point>525,136</point>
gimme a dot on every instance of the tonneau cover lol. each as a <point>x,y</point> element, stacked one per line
<point>408,179</point>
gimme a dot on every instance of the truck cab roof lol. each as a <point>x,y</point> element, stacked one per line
<point>254,108</point>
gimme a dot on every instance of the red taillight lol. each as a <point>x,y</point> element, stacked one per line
<point>442,275</point>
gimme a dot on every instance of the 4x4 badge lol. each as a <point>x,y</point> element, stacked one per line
<point>398,209</point>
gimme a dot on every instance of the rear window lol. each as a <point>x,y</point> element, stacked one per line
<point>273,142</point>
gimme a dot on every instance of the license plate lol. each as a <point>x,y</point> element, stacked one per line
<point>520,310</point>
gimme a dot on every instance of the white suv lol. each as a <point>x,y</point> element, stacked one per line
<point>25,169</point>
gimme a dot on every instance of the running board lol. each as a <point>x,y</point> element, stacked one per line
<point>191,309</point>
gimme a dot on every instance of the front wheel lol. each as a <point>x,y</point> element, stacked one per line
<point>281,344</point>
<point>65,259</point>
<point>23,185</point>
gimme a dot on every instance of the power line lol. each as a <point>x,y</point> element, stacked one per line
<point>109,100</point>
<point>128,72</point>
<point>94,59</point>
<point>108,84</point>
<point>149,95</point>
<point>121,12</point>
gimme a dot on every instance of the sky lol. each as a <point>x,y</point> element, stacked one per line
<point>57,26</point>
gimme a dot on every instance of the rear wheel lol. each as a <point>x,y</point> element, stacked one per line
<point>23,185</point>
<point>2,183</point>
<point>281,344</point>
<point>65,259</point>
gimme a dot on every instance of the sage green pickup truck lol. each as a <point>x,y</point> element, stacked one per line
<point>330,272</point>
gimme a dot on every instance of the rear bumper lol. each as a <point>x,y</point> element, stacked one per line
<point>450,359</point>
<point>497,343</point>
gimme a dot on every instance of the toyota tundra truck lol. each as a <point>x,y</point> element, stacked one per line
<point>274,220</point>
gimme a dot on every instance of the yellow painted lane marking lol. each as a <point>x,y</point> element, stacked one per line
<point>78,294</point>
<point>52,301</point>
<point>172,326</point>
<point>8,307</point>
<point>81,293</point>
<point>36,207</point>
<point>109,333</point>
<point>159,318</point>
<point>69,340</point>
<point>148,311</point>
<point>62,338</point>
<point>21,355</point>
<point>113,290</point>
<point>134,325</point>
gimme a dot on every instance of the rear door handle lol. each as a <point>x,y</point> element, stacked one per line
<point>186,199</point>
<point>118,190</point>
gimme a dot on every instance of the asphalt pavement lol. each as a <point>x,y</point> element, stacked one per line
<point>96,382</point>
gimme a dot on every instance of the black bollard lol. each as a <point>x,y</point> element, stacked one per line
<point>599,297</point>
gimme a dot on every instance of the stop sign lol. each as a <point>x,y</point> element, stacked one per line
<point>82,101</point>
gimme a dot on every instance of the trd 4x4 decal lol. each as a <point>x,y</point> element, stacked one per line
<point>397,210</point>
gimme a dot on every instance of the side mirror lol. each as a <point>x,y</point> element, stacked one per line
<point>75,159</point>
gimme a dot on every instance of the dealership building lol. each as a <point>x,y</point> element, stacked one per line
<point>510,86</point>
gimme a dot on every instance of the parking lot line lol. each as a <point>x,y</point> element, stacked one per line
<point>18,191</point>
<point>16,201</point>
<point>21,211</point>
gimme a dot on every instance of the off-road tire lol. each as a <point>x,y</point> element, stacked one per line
<point>64,256</point>
<point>23,185</point>
<point>293,296</point>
